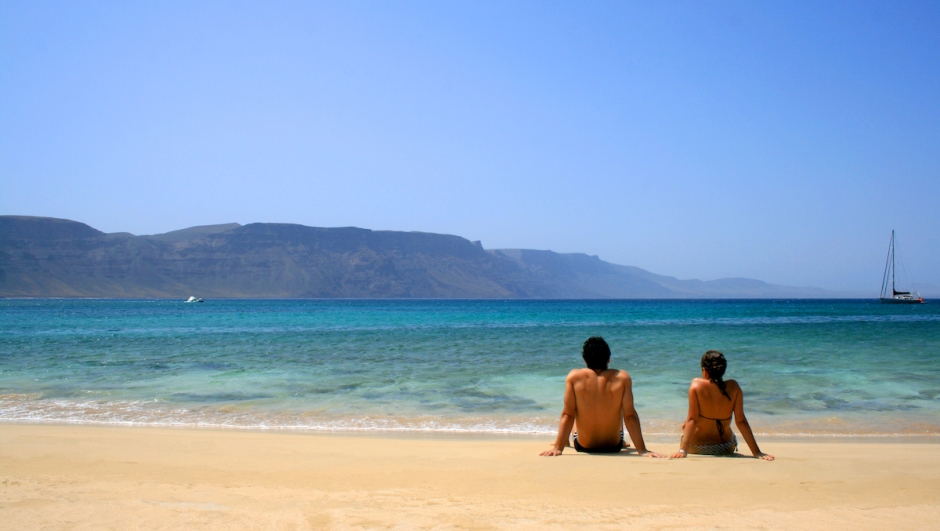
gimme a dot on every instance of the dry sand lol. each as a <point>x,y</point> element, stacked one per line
<point>63,477</point>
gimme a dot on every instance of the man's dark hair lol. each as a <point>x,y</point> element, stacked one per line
<point>596,353</point>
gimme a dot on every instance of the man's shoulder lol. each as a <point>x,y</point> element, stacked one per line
<point>578,374</point>
<point>584,372</point>
<point>618,374</point>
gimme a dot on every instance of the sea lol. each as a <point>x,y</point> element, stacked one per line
<point>808,368</point>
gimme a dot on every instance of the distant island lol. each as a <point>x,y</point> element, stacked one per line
<point>49,257</point>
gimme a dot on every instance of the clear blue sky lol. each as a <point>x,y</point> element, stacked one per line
<point>779,141</point>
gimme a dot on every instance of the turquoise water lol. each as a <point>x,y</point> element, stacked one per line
<point>806,367</point>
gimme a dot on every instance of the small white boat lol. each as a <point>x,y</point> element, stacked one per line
<point>895,296</point>
<point>194,299</point>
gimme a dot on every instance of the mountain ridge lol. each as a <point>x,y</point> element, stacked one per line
<point>52,257</point>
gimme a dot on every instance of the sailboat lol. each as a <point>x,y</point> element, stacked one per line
<point>895,297</point>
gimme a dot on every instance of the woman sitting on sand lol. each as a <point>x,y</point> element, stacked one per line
<point>712,401</point>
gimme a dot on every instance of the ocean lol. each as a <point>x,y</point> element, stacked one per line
<point>807,367</point>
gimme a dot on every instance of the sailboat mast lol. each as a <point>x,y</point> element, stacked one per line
<point>892,263</point>
<point>884,276</point>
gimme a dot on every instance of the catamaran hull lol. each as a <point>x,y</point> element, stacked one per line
<point>887,300</point>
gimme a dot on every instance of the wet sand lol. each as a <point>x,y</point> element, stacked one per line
<point>86,477</point>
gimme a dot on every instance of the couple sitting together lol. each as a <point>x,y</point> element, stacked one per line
<point>599,402</point>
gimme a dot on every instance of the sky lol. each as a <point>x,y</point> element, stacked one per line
<point>781,141</point>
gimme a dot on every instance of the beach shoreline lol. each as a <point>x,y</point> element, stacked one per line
<point>469,435</point>
<point>106,477</point>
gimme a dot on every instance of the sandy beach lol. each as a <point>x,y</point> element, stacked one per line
<point>86,477</point>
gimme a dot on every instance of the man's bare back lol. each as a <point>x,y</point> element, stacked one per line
<point>600,400</point>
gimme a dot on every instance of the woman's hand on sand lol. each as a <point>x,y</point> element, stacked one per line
<point>678,455</point>
<point>551,453</point>
<point>765,457</point>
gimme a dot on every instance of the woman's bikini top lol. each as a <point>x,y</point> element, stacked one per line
<point>718,422</point>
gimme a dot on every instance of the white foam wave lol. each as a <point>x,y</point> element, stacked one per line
<point>26,408</point>
<point>23,408</point>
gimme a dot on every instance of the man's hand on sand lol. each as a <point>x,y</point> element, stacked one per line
<point>647,453</point>
<point>765,457</point>
<point>551,453</point>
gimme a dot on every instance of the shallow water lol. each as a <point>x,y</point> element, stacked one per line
<point>806,367</point>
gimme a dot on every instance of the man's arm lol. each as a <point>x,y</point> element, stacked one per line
<point>566,422</point>
<point>632,420</point>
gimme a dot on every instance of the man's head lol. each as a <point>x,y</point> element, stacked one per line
<point>596,353</point>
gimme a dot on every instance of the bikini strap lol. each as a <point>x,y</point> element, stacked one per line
<point>721,427</point>
<point>709,418</point>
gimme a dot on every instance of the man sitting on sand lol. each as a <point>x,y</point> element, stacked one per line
<point>600,400</point>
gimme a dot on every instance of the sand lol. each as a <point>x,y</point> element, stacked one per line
<point>86,477</point>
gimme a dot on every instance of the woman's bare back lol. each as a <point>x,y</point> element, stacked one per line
<point>714,408</point>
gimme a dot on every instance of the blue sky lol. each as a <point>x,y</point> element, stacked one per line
<point>779,141</point>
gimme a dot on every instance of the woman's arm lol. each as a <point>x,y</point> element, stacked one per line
<point>741,422</point>
<point>688,427</point>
